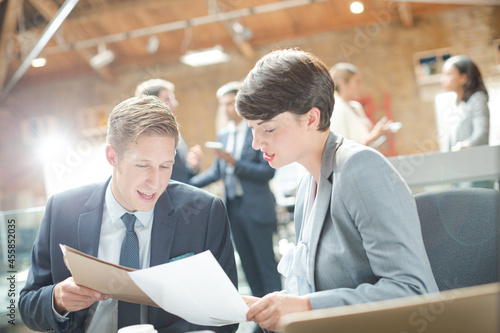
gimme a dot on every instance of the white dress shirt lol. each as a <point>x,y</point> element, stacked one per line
<point>103,316</point>
<point>294,265</point>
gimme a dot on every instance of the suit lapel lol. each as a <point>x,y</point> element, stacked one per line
<point>223,138</point>
<point>247,146</point>
<point>162,235</point>
<point>298,214</point>
<point>323,199</point>
<point>221,163</point>
<point>89,223</point>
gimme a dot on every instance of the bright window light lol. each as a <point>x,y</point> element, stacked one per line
<point>357,7</point>
<point>39,62</point>
<point>49,148</point>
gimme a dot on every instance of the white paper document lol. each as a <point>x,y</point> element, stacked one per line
<point>195,288</point>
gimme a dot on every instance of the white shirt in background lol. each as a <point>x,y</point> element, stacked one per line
<point>350,121</point>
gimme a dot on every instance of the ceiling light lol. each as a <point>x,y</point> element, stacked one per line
<point>357,7</point>
<point>39,62</point>
<point>214,55</point>
<point>241,32</point>
<point>103,58</point>
<point>153,44</point>
<point>238,27</point>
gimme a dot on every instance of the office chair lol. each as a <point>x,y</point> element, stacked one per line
<point>460,229</point>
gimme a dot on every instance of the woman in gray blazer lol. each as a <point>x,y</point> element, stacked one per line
<point>472,115</point>
<point>357,228</point>
<point>472,128</point>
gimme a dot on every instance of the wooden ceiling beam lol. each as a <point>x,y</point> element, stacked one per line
<point>406,14</point>
<point>48,9</point>
<point>95,13</point>
<point>8,29</point>
<point>243,45</point>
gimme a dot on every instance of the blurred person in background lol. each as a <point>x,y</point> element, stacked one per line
<point>187,162</point>
<point>470,125</point>
<point>349,118</point>
<point>250,203</point>
<point>462,76</point>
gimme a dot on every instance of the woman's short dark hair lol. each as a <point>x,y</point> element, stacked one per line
<point>287,80</point>
<point>466,66</point>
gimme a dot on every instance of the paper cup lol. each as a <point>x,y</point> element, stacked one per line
<point>143,328</point>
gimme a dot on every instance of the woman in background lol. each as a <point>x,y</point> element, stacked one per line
<point>461,75</point>
<point>349,118</point>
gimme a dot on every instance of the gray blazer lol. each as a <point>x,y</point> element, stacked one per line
<point>473,126</point>
<point>366,243</point>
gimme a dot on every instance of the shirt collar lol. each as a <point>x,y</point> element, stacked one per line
<point>230,126</point>
<point>242,125</point>
<point>239,127</point>
<point>116,211</point>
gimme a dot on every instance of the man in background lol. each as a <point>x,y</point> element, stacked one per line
<point>249,200</point>
<point>187,162</point>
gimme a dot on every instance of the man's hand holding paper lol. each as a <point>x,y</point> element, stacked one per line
<point>195,288</point>
<point>70,297</point>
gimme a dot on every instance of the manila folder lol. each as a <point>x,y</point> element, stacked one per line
<point>106,278</point>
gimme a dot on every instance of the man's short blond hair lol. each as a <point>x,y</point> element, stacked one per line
<point>136,116</point>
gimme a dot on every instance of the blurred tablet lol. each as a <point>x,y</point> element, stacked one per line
<point>380,140</point>
<point>396,126</point>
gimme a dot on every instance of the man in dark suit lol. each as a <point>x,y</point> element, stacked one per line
<point>133,219</point>
<point>249,200</point>
<point>187,161</point>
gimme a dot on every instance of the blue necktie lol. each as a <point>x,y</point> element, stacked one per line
<point>129,313</point>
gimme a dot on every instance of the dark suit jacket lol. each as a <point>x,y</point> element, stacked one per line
<point>186,219</point>
<point>181,171</point>
<point>254,174</point>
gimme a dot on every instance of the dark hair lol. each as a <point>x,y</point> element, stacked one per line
<point>287,80</point>
<point>474,83</point>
